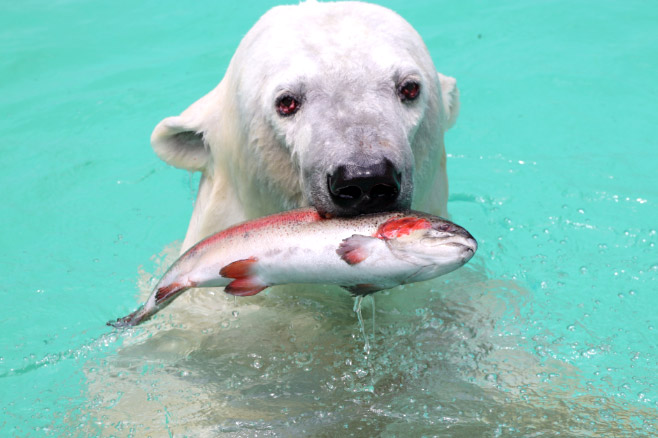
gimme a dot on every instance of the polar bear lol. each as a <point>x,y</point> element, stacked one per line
<point>334,105</point>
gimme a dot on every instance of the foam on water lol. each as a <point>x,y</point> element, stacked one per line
<point>550,329</point>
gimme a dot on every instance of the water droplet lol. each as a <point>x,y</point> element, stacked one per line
<point>303,358</point>
<point>436,323</point>
<point>583,270</point>
<point>491,377</point>
<point>571,327</point>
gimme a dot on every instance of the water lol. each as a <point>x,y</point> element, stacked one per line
<point>550,330</point>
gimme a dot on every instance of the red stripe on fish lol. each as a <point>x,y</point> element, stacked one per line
<point>289,217</point>
<point>245,283</point>
<point>394,228</point>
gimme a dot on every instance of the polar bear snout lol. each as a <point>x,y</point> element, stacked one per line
<point>365,189</point>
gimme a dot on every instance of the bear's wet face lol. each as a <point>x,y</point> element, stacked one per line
<point>348,119</point>
<point>351,133</point>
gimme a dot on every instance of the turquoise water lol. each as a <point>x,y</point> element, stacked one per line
<point>550,330</point>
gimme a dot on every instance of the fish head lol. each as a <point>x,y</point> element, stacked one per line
<point>436,244</point>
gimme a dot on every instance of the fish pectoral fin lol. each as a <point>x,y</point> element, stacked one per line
<point>357,248</point>
<point>245,283</point>
<point>363,289</point>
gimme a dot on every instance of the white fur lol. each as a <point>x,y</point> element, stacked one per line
<point>253,161</point>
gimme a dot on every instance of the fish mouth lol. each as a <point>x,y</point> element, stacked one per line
<point>469,245</point>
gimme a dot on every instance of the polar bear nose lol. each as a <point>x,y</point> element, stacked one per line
<point>361,189</point>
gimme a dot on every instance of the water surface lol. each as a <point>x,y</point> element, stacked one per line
<point>550,330</point>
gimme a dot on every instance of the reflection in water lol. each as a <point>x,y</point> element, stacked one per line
<point>291,362</point>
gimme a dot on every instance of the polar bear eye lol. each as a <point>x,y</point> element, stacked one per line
<point>409,90</point>
<point>287,105</point>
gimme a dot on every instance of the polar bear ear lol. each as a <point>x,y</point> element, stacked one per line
<point>179,141</point>
<point>450,95</point>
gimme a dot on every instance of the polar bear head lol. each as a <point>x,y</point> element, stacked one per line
<point>335,105</point>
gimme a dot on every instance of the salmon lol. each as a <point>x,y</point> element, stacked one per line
<point>363,254</point>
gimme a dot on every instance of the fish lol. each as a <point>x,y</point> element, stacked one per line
<point>363,254</point>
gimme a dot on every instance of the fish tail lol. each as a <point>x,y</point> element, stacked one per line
<point>131,320</point>
<point>162,297</point>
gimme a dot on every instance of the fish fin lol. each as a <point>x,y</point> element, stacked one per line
<point>363,289</point>
<point>245,283</point>
<point>170,291</point>
<point>394,228</point>
<point>245,287</point>
<point>239,268</point>
<point>355,249</point>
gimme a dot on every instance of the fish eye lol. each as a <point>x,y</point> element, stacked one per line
<point>444,227</point>
<point>434,233</point>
